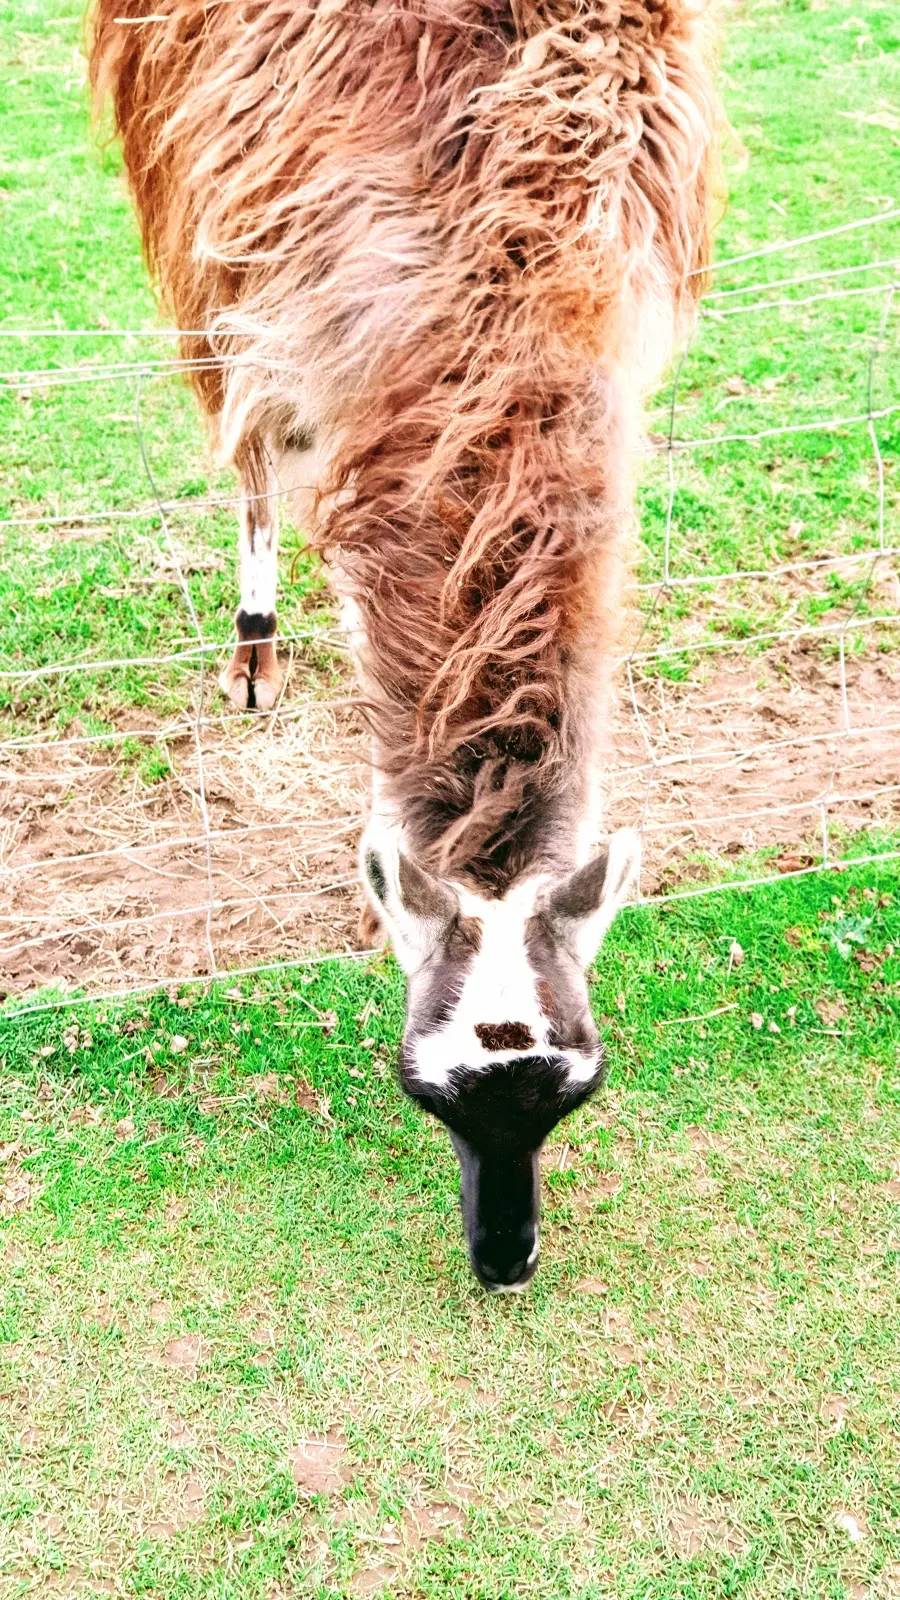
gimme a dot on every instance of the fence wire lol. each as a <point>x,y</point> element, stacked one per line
<point>642,770</point>
<point>189,505</point>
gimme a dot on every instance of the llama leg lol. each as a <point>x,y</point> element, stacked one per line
<point>253,676</point>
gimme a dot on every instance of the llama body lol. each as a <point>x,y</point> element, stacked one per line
<point>441,251</point>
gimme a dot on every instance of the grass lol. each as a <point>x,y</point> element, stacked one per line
<point>227,1235</point>
<point>241,1355</point>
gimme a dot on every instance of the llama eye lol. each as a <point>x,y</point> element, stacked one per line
<point>504,1035</point>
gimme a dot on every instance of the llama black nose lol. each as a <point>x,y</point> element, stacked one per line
<point>501,1270</point>
<point>499,1192</point>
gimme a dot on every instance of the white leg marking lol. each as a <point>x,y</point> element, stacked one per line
<point>258,547</point>
<point>253,668</point>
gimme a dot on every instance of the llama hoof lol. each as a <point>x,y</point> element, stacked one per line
<point>253,678</point>
<point>235,683</point>
<point>266,690</point>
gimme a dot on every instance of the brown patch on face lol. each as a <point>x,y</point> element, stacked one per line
<point>561,989</point>
<point>546,998</point>
<point>504,1035</point>
<point>434,994</point>
<point>424,896</point>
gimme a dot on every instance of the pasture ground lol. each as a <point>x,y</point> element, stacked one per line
<point>241,1356</point>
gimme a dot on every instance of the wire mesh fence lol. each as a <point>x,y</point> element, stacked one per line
<point>757,731</point>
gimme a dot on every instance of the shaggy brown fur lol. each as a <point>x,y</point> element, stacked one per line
<point>457,241</point>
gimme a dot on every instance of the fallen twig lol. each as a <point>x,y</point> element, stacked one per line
<point>670,1022</point>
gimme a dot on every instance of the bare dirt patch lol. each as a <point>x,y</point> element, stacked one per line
<point>184,1353</point>
<point>319,1466</point>
<point>692,1531</point>
<point>373,1580</point>
<point>105,883</point>
<point>742,754</point>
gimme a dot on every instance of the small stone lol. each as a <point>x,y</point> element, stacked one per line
<point>851,1526</point>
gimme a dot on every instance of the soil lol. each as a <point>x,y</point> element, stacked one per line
<point>104,880</point>
<point>743,754</point>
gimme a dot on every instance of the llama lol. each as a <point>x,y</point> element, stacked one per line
<point>431,257</point>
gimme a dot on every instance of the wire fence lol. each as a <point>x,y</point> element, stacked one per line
<point>682,738</point>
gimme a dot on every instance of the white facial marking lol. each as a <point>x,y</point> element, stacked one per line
<point>300,473</point>
<point>580,1068</point>
<point>500,986</point>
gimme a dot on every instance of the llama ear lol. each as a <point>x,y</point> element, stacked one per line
<point>582,906</point>
<point>416,908</point>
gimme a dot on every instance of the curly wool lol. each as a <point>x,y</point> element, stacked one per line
<point>457,241</point>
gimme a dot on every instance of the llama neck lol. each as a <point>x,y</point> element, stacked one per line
<point>494,824</point>
<point>485,586</point>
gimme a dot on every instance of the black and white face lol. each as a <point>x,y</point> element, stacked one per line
<point>499,1042</point>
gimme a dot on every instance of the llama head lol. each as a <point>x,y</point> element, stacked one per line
<point>499,1042</point>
